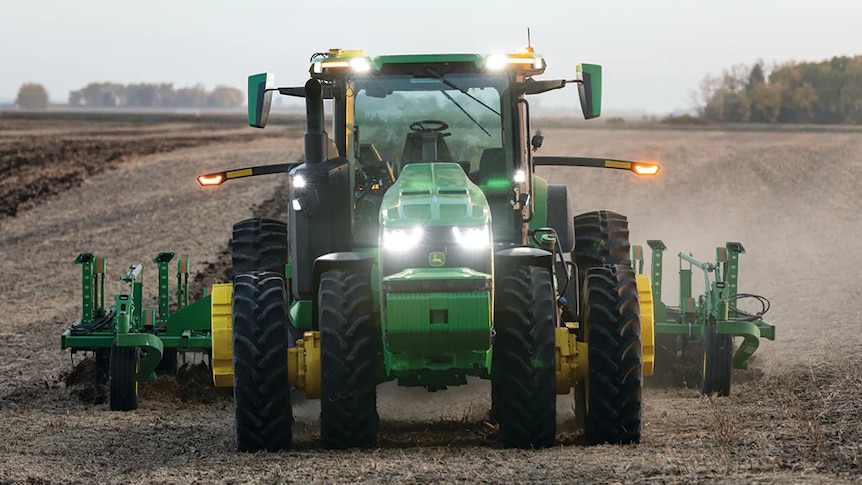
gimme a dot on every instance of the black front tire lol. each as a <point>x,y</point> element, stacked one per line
<point>349,341</point>
<point>615,386</point>
<point>262,405</point>
<point>523,375</point>
<point>123,378</point>
<point>717,362</point>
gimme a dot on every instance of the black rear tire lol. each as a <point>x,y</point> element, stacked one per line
<point>123,378</point>
<point>615,386</point>
<point>264,417</point>
<point>601,237</point>
<point>259,245</point>
<point>523,375</point>
<point>717,362</point>
<point>349,341</point>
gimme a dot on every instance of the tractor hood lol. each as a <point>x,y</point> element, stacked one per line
<point>434,194</point>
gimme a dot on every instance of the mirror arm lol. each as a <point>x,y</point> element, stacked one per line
<point>327,92</point>
<point>531,86</point>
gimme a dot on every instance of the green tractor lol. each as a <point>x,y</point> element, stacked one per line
<point>421,247</point>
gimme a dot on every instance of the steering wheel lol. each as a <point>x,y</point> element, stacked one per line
<point>429,126</point>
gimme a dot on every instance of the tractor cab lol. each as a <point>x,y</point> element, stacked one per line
<point>394,111</point>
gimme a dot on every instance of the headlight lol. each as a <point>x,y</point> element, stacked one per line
<point>400,240</point>
<point>472,237</point>
<point>299,181</point>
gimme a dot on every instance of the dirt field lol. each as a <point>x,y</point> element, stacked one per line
<point>127,191</point>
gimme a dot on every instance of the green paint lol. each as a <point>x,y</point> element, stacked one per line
<point>259,99</point>
<point>301,314</point>
<point>381,61</point>
<point>540,203</point>
<point>195,316</point>
<point>449,333</point>
<point>86,261</point>
<point>434,194</point>
<point>163,260</point>
<point>153,350</point>
<point>590,89</point>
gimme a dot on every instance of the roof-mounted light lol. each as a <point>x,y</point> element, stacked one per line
<point>496,62</point>
<point>354,59</point>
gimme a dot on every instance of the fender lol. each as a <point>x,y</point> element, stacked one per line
<point>507,260</point>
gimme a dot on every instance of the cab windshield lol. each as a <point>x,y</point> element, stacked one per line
<point>392,112</point>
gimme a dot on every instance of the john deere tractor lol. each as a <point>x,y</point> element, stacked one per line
<point>421,247</point>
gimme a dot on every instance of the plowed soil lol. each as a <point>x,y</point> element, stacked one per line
<point>127,191</point>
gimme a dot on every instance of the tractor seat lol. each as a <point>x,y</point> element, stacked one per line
<point>412,152</point>
<point>492,165</point>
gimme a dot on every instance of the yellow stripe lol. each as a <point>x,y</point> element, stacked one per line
<point>246,172</point>
<point>618,164</point>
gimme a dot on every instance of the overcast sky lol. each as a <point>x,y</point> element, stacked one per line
<point>654,52</point>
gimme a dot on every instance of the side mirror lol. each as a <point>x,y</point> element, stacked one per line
<point>260,87</point>
<point>536,141</point>
<point>590,89</point>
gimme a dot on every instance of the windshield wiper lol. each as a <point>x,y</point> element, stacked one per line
<point>452,85</point>
<point>450,98</point>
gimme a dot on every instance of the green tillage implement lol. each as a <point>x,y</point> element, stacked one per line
<point>709,321</point>
<point>128,325</point>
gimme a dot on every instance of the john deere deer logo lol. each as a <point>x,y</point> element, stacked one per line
<point>436,259</point>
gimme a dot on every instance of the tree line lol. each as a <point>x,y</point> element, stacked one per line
<point>150,95</point>
<point>139,95</point>
<point>826,92</point>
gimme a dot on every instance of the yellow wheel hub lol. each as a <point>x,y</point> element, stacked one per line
<point>222,335</point>
<point>303,364</point>
<point>647,323</point>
